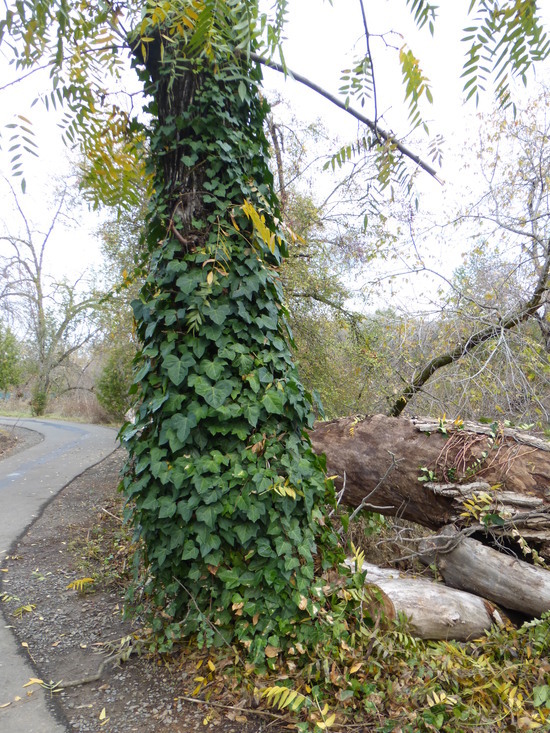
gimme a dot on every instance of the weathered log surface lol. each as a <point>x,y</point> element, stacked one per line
<point>381,459</point>
<point>434,610</point>
<point>468,565</point>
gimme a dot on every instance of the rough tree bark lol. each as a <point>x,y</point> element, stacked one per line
<point>379,461</point>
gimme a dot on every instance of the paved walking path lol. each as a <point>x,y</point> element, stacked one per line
<point>28,480</point>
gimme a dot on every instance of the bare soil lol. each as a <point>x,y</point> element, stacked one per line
<point>70,635</point>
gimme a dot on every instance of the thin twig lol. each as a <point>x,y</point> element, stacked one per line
<point>371,62</point>
<point>21,78</point>
<point>266,713</point>
<point>339,496</point>
<point>364,501</point>
<point>205,617</point>
<point>114,516</point>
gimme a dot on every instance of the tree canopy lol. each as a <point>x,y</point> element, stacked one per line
<point>84,48</point>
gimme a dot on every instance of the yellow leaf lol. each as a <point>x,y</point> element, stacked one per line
<point>291,696</point>
<point>211,666</point>
<point>33,681</point>
<point>354,667</point>
<point>102,714</point>
<point>80,583</point>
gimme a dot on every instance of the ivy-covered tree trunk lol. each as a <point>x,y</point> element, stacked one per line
<point>224,490</point>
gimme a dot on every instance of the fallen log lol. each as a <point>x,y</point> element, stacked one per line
<point>468,565</point>
<point>425,471</point>
<point>434,611</point>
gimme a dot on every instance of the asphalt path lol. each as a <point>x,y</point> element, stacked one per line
<point>28,480</point>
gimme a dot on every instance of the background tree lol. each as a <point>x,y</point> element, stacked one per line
<point>50,314</point>
<point>125,266</point>
<point>10,360</point>
<point>324,257</point>
<point>503,284</point>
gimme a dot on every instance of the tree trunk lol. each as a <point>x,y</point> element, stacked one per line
<point>425,471</point>
<point>434,611</point>
<point>470,566</point>
<point>226,493</point>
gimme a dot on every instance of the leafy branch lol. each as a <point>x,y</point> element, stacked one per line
<point>373,126</point>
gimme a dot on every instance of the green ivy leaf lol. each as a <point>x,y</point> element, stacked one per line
<point>245,532</point>
<point>213,369</point>
<point>190,551</point>
<point>177,367</point>
<point>252,413</point>
<point>541,695</point>
<point>167,507</point>
<point>208,514</point>
<point>183,424</point>
<point>273,401</point>
<point>218,314</point>
<point>214,394</point>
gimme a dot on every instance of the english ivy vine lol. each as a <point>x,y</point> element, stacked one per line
<point>224,490</point>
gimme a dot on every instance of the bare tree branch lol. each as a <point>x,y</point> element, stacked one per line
<point>481,336</point>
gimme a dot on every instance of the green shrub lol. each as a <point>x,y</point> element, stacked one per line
<point>114,383</point>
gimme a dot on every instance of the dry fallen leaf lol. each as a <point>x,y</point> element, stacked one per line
<point>33,681</point>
